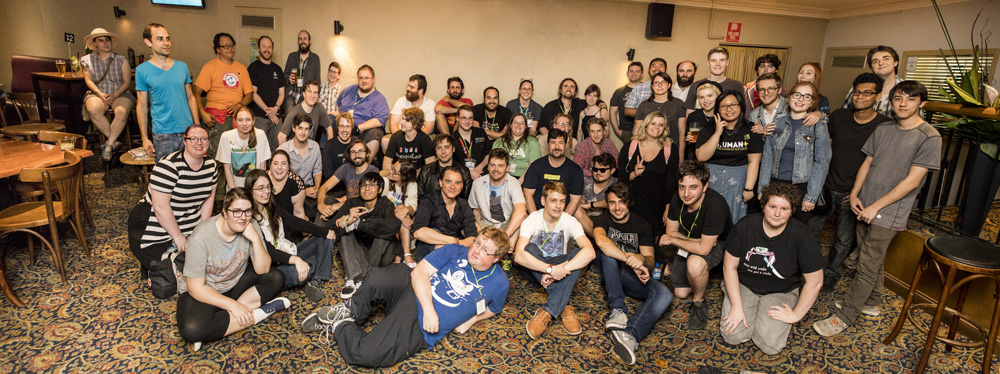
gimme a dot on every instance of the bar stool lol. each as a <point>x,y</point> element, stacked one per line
<point>976,259</point>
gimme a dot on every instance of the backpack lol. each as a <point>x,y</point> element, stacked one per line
<point>167,273</point>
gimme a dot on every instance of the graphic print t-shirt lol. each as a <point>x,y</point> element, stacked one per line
<point>733,145</point>
<point>771,265</point>
<point>628,236</point>
<point>220,262</point>
<point>552,241</point>
<point>456,287</point>
<point>238,153</point>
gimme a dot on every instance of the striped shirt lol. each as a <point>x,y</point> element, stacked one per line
<point>188,190</point>
<point>113,80</point>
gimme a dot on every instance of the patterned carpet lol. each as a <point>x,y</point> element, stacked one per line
<point>102,320</point>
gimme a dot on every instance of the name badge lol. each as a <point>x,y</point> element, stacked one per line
<point>480,305</point>
<point>682,253</point>
<point>513,169</point>
<point>471,164</point>
<point>351,111</point>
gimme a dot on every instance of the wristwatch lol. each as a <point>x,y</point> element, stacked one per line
<point>548,269</point>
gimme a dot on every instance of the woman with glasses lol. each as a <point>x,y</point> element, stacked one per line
<point>228,282</point>
<point>648,164</point>
<point>798,154</point>
<point>180,195</point>
<point>672,108</point>
<point>699,119</point>
<point>310,260</point>
<point>289,190</point>
<point>242,149</point>
<point>401,190</point>
<point>812,73</point>
<point>228,88</point>
<point>565,123</point>
<point>522,147</point>
<point>732,153</point>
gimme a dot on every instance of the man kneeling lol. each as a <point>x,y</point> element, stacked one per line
<point>766,257</point>
<point>451,289</point>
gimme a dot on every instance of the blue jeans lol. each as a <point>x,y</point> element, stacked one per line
<point>559,291</point>
<point>318,253</point>
<point>165,144</point>
<point>620,280</point>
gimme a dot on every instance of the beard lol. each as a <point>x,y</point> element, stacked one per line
<point>412,96</point>
<point>358,161</point>
<point>455,96</point>
<point>304,48</point>
<point>685,81</point>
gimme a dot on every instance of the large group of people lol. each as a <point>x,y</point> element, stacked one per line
<point>435,205</point>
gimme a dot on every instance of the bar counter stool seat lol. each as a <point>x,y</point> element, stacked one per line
<point>974,259</point>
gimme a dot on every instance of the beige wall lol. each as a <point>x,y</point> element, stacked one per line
<point>485,42</point>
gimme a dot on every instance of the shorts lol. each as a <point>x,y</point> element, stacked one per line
<point>678,271</point>
<point>372,135</point>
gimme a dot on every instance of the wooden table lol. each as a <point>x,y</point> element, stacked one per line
<point>31,130</point>
<point>68,80</point>
<point>19,154</point>
<point>144,163</point>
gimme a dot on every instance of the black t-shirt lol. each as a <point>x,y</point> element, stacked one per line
<point>698,119</point>
<point>333,156</point>
<point>417,150</point>
<point>555,107</point>
<point>734,146</point>
<point>712,218</point>
<point>771,265</point>
<point>475,149</point>
<point>268,78</point>
<point>541,172</point>
<point>618,99</point>
<point>496,123</point>
<point>848,137</point>
<point>628,236</point>
<point>673,109</point>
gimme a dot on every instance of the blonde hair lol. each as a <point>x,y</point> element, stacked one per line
<point>640,129</point>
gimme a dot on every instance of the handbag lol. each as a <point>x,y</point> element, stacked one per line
<point>166,274</point>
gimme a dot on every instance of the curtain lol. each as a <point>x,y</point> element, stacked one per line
<point>742,59</point>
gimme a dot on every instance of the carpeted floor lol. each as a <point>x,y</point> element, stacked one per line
<point>103,320</point>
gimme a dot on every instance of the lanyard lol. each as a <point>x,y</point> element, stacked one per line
<point>680,219</point>
<point>490,121</point>
<point>563,109</point>
<point>546,233</point>
<point>523,109</point>
<point>357,98</point>
<point>466,149</point>
<point>480,288</point>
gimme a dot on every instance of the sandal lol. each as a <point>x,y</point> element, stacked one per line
<point>116,146</point>
<point>106,152</point>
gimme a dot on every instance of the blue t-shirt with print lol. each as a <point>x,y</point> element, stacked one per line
<point>455,288</point>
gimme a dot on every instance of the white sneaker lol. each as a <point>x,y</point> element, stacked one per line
<point>624,345</point>
<point>617,320</point>
<point>868,310</point>
<point>349,288</point>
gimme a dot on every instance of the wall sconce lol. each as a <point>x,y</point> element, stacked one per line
<point>119,12</point>
<point>630,54</point>
<point>337,27</point>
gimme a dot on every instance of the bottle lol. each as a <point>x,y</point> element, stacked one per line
<point>506,264</point>
<point>657,273</point>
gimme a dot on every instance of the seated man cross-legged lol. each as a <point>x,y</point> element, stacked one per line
<point>767,257</point>
<point>625,259</point>
<point>497,199</point>
<point>545,248</point>
<point>367,227</point>
<point>452,289</point>
<point>442,217</point>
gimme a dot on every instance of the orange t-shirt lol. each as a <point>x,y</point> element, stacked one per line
<point>225,84</point>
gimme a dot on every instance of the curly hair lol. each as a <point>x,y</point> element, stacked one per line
<point>783,190</point>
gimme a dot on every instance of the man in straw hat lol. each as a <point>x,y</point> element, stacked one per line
<point>108,78</point>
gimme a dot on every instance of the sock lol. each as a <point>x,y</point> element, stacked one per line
<point>270,308</point>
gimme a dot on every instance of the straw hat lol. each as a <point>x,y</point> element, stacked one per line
<point>99,32</point>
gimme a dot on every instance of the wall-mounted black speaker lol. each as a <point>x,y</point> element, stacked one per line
<point>659,20</point>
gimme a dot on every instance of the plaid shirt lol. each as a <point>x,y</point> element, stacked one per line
<point>640,93</point>
<point>328,97</point>
<point>113,80</point>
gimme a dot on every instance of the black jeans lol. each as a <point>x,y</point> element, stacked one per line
<point>200,322</point>
<point>138,218</point>
<point>395,338</point>
<point>846,231</point>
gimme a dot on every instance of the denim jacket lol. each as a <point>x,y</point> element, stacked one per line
<point>757,115</point>
<point>812,155</point>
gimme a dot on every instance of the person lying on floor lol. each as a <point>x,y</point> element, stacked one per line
<point>451,289</point>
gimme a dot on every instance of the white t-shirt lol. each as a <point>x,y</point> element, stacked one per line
<point>495,204</point>
<point>234,151</point>
<point>555,241</point>
<point>427,106</point>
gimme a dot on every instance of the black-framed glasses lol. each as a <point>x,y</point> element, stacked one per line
<point>227,46</point>
<point>865,94</point>
<point>240,213</point>
<point>197,140</point>
<point>599,170</point>
<point>769,89</point>
<point>732,106</point>
<point>798,96</point>
<point>369,185</point>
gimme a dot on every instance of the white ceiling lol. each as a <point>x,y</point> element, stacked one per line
<point>825,9</point>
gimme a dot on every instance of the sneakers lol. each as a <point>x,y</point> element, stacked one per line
<point>617,320</point>
<point>829,327</point>
<point>311,324</point>
<point>697,315</point>
<point>569,321</point>
<point>333,314</point>
<point>196,346</point>
<point>868,310</point>
<point>624,346</point>
<point>537,325</point>
<point>276,305</point>
<point>349,288</point>
<point>314,291</point>
<point>326,319</point>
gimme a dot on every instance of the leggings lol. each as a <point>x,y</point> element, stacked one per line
<point>201,322</point>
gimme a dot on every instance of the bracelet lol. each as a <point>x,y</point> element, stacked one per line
<point>748,189</point>
<point>406,254</point>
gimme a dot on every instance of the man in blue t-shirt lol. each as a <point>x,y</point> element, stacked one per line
<point>163,84</point>
<point>451,289</point>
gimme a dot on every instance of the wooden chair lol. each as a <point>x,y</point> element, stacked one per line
<point>25,101</point>
<point>25,216</point>
<point>53,137</point>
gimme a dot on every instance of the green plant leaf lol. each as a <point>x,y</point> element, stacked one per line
<point>964,96</point>
<point>943,92</point>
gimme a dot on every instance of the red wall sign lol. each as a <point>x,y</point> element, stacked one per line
<point>733,34</point>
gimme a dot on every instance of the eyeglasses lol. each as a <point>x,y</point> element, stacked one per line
<point>197,140</point>
<point>798,96</point>
<point>369,186</point>
<point>564,123</point>
<point>864,94</point>
<point>732,106</point>
<point>769,89</point>
<point>482,249</point>
<point>361,152</point>
<point>227,46</point>
<point>599,170</point>
<point>660,83</point>
<point>240,213</point>
<point>262,188</point>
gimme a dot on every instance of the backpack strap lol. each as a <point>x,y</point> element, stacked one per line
<point>631,148</point>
